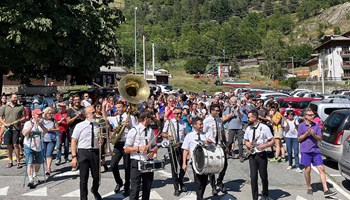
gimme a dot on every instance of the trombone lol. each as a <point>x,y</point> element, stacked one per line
<point>103,134</point>
<point>172,145</point>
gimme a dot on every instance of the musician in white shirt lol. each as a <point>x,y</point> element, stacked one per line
<point>180,131</point>
<point>213,126</point>
<point>259,137</point>
<point>118,151</point>
<point>141,146</point>
<point>191,141</point>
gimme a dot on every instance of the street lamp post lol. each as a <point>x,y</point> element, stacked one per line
<point>135,40</point>
<point>292,65</point>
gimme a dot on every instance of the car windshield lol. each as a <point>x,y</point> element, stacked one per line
<point>333,122</point>
<point>295,104</point>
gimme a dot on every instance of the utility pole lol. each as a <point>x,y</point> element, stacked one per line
<point>153,60</point>
<point>135,41</point>
<point>144,56</point>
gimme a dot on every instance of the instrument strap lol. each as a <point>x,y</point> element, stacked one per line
<point>217,131</point>
<point>146,141</point>
<point>177,131</point>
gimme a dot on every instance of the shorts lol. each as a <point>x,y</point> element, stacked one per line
<point>277,134</point>
<point>48,148</point>
<point>233,135</point>
<point>11,136</point>
<point>308,158</point>
<point>33,157</point>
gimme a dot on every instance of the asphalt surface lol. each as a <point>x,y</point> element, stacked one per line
<point>64,184</point>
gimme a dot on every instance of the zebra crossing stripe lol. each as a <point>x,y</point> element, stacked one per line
<point>75,193</point>
<point>154,195</point>
<point>42,192</point>
<point>189,197</point>
<point>4,190</point>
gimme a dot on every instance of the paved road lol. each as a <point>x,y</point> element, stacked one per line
<point>64,184</point>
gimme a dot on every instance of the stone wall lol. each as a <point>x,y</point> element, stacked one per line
<point>317,86</point>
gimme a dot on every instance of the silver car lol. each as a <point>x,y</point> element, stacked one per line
<point>335,131</point>
<point>344,161</point>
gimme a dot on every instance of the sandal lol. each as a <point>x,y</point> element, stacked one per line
<point>19,166</point>
<point>9,165</point>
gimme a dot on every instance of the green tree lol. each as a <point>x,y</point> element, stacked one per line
<point>55,39</point>
<point>274,54</point>
<point>196,65</point>
<point>268,8</point>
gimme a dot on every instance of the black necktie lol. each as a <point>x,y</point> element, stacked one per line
<point>199,136</point>
<point>254,128</point>
<point>217,131</point>
<point>146,136</point>
<point>177,131</point>
<point>120,119</point>
<point>92,135</point>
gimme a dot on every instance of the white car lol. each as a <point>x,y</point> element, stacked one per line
<point>267,95</point>
<point>296,91</point>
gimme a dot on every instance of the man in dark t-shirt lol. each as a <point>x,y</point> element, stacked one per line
<point>74,116</point>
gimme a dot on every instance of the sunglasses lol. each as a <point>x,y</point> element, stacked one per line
<point>177,113</point>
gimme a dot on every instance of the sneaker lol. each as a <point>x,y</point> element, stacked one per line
<point>66,160</point>
<point>31,184</point>
<point>241,159</point>
<point>58,162</point>
<point>329,193</point>
<point>275,160</point>
<point>309,191</point>
<point>48,172</point>
<point>74,169</point>
<point>36,180</point>
<point>289,167</point>
<point>282,160</point>
<point>298,170</point>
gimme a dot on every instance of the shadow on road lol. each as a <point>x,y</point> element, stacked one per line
<point>278,194</point>
<point>331,164</point>
<point>235,185</point>
<point>346,184</point>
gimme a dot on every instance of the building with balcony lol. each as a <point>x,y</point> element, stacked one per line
<point>334,57</point>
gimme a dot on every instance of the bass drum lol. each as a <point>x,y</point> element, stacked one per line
<point>208,159</point>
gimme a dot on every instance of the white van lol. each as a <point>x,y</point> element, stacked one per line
<point>325,107</point>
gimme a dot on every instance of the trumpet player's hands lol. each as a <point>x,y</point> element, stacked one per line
<point>150,154</point>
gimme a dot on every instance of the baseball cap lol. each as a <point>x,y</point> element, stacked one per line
<point>36,101</point>
<point>37,111</point>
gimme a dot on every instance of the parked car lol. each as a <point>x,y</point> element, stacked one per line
<point>334,96</point>
<point>296,91</point>
<point>298,103</point>
<point>325,107</point>
<point>267,95</point>
<point>334,132</point>
<point>344,161</point>
<point>309,94</point>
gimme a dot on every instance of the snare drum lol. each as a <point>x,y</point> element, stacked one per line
<point>208,159</point>
<point>150,165</point>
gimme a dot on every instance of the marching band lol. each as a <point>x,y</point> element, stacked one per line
<point>204,147</point>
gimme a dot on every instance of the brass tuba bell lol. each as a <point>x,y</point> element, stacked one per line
<point>134,89</point>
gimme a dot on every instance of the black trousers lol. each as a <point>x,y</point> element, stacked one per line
<point>136,178</point>
<point>234,134</point>
<point>178,178</point>
<point>201,181</point>
<point>258,163</point>
<point>88,159</point>
<point>221,174</point>
<point>118,154</point>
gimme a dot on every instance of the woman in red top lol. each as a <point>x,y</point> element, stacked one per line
<point>169,109</point>
<point>63,134</point>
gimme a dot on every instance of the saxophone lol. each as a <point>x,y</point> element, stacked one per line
<point>119,131</point>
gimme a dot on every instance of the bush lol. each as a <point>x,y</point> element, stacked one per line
<point>195,65</point>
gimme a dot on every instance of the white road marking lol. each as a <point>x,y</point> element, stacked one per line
<point>154,195</point>
<point>338,175</point>
<point>75,193</point>
<point>164,173</point>
<point>113,195</point>
<point>189,197</point>
<point>3,191</point>
<point>300,198</point>
<point>69,173</point>
<point>42,192</point>
<point>336,186</point>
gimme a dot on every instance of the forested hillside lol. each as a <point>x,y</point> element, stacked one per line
<point>228,29</point>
